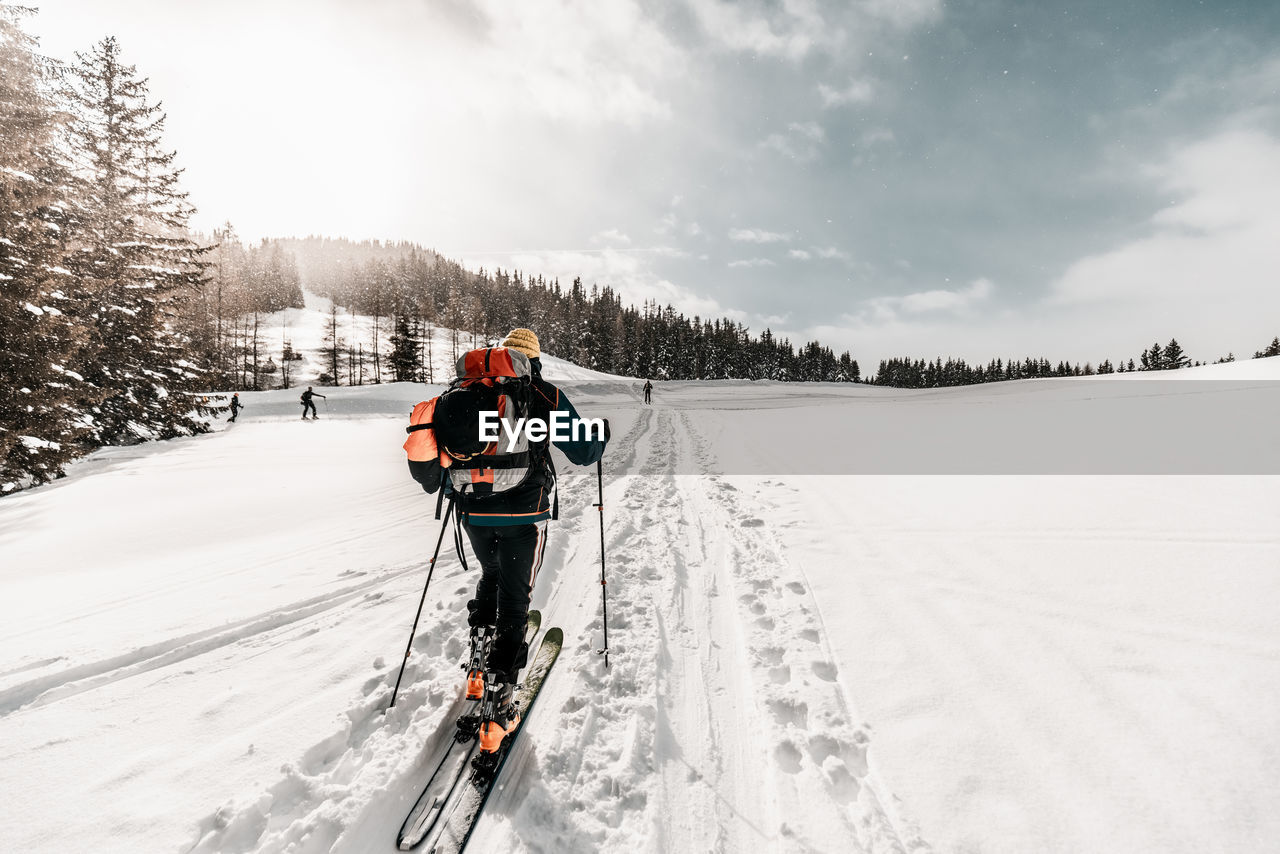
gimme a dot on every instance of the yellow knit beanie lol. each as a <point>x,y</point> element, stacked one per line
<point>523,340</point>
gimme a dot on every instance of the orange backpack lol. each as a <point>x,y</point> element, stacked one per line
<point>444,431</point>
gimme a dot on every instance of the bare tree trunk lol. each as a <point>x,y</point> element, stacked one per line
<point>377,369</point>
<point>257,383</point>
<point>333,350</point>
<point>431,371</point>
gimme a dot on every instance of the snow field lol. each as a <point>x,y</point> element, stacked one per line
<point>198,639</point>
<point>1065,664</point>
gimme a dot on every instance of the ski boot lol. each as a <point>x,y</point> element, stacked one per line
<point>499,716</point>
<point>481,641</point>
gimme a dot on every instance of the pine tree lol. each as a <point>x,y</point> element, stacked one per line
<point>1153,359</point>
<point>43,401</point>
<point>1273,349</point>
<point>1173,357</point>
<point>333,353</point>
<point>134,262</point>
<point>404,357</point>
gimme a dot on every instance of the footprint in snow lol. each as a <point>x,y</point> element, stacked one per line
<point>825,670</point>
<point>771,655</point>
<point>752,523</point>
<point>787,755</point>
<point>790,712</point>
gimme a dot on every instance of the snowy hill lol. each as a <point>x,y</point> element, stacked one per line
<point>305,330</point>
<point>197,637</point>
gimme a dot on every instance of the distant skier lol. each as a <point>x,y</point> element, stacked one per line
<point>507,525</point>
<point>235,407</point>
<point>308,403</point>
<point>648,390</point>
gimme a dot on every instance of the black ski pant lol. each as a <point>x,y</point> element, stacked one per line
<point>510,557</point>
<point>309,406</point>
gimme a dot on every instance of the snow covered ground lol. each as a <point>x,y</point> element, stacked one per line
<point>198,638</point>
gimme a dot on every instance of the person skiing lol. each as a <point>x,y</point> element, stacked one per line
<point>235,407</point>
<point>508,533</point>
<point>308,403</point>
<point>648,389</point>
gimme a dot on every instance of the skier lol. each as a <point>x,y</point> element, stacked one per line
<point>308,403</point>
<point>235,407</point>
<point>648,389</point>
<point>508,532</point>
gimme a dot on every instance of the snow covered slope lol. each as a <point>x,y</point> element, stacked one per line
<point>198,637</point>
<point>305,330</point>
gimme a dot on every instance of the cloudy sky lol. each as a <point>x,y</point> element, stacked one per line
<point>896,177</point>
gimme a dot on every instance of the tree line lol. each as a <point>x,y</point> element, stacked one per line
<point>416,291</point>
<point>919,373</point>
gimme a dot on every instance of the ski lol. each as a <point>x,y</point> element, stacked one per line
<point>458,817</point>
<point>450,771</point>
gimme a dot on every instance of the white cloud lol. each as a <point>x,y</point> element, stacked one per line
<point>831,253</point>
<point>803,141</point>
<point>613,236</point>
<point>904,13</point>
<point>752,262</point>
<point>1217,245</point>
<point>628,271</point>
<point>856,92</point>
<point>1205,274</point>
<point>792,29</point>
<point>939,300</point>
<point>757,235</point>
<point>591,63</point>
<point>825,253</point>
<point>876,136</point>
<point>672,223</point>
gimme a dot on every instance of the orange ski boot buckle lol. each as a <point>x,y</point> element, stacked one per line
<point>475,684</point>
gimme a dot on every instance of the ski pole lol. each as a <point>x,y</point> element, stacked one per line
<point>604,602</point>
<point>432,568</point>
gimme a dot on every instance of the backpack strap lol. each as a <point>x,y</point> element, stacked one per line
<point>555,482</point>
<point>457,539</point>
<point>496,461</point>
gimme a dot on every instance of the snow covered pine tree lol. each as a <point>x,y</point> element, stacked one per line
<point>134,262</point>
<point>43,400</point>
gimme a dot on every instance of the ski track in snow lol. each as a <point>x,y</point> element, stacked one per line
<point>713,634</point>
<point>85,677</point>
